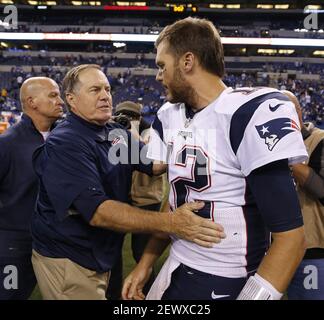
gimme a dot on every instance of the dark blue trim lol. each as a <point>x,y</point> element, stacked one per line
<point>157,125</point>
<point>257,237</point>
<point>243,115</point>
<point>191,284</point>
<point>315,162</point>
<point>190,113</point>
<point>275,195</point>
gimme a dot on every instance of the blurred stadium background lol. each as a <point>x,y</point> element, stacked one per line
<point>267,43</point>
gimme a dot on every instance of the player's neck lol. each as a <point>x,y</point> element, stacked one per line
<point>42,124</point>
<point>207,89</point>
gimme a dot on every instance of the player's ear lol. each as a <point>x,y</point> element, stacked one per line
<point>30,102</point>
<point>189,59</point>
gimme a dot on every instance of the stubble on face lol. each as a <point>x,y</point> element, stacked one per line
<point>180,90</point>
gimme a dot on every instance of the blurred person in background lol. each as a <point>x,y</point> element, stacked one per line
<point>308,281</point>
<point>42,106</point>
<point>146,193</point>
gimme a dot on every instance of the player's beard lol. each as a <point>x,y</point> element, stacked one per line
<point>180,91</point>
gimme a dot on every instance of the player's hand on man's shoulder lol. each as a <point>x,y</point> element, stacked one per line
<point>189,226</point>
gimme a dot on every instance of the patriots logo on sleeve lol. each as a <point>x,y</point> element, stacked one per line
<point>119,140</point>
<point>274,130</point>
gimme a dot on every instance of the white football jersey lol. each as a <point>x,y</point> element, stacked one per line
<point>209,157</point>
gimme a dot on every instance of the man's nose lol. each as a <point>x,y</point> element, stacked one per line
<point>60,100</point>
<point>159,76</point>
<point>104,95</point>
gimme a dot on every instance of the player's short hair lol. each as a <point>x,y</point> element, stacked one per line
<point>198,36</point>
<point>71,79</point>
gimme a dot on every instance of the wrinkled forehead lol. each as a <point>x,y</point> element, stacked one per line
<point>92,77</point>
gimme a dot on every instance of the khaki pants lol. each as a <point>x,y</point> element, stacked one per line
<point>62,279</point>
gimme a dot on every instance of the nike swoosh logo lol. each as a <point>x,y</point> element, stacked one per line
<point>218,296</point>
<point>273,109</point>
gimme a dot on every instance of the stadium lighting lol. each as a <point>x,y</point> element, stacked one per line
<point>233,6</point>
<point>126,8</point>
<point>268,51</point>
<point>134,37</point>
<point>312,7</point>
<point>318,53</point>
<point>300,30</point>
<point>21,36</point>
<point>274,41</point>
<point>119,44</point>
<point>313,11</point>
<point>124,37</point>
<point>264,6</point>
<point>297,42</point>
<point>282,6</point>
<point>285,51</point>
<point>216,5</point>
<point>127,3</point>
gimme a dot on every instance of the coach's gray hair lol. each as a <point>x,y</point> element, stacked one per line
<point>71,79</point>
